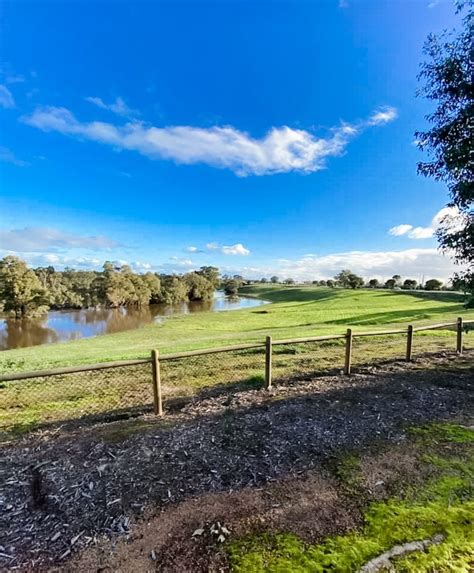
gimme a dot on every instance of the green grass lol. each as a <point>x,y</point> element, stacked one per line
<point>294,312</point>
<point>442,506</point>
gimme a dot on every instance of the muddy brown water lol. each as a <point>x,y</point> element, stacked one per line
<point>66,325</point>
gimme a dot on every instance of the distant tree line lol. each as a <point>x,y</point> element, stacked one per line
<point>348,279</point>
<point>26,292</point>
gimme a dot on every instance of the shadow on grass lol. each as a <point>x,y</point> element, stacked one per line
<point>292,294</point>
<point>393,316</point>
<point>441,296</point>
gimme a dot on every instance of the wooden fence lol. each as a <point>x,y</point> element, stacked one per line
<point>266,347</point>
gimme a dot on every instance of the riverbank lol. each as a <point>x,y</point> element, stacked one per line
<point>295,311</point>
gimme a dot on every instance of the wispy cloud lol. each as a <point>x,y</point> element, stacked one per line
<point>400,230</point>
<point>448,218</point>
<point>6,98</point>
<point>14,79</point>
<point>237,249</point>
<point>7,156</point>
<point>37,239</point>
<point>182,262</point>
<point>119,107</point>
<point>383,115</point>
<point>281,150</point>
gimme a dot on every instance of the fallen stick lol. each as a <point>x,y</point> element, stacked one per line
<point>383,560</point>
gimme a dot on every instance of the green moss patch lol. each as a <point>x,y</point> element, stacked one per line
<point>443,506</point>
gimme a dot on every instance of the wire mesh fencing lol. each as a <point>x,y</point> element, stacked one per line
<point>190,373</point>
<point>468,336</point>
<point>442,339</point>
<point>310,358</point>
<point>42,400</point>
<point>124,388</point>
<point>369,350</point>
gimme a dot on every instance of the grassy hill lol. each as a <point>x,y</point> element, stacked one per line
<point>294,312</point>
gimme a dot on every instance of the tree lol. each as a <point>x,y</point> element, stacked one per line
<point>348,279</point>
<point>330,283</point>
<point>390,283</point>
<point>154,284</point>
<point>342,278</point>
<point>373,283</point>
<point>274,280</point>
<point>447,80</point>
<point>199,287</point>
<point>231,287</point>
<point>322,283</point>
<point>212,274</point>
<point>263,280</point>
<point>409,284</point>
<point>433,284</point>
<point>20,289</point>
<point>173,289</point>
<point>289,281</point>
<point>397,279</point>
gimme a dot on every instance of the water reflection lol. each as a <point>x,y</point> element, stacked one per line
<point>62,325</point>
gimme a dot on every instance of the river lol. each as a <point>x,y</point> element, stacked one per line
<point>65,325</point>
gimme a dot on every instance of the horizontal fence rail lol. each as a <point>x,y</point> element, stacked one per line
<point>126,387</point>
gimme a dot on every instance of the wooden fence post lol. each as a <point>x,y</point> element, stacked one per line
<point>409,342</point>
<point>268,362</point>
<point>157,402</point>
<point>459,336</point>
<point>347,364</point>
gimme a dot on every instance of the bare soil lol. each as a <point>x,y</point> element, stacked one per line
<point>128,496</point>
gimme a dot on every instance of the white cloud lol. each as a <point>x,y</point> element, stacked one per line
<point>400,230</point>
<point>37,239</point>
<point>448,218</point>
<point>281,150</point>
<point>182,262</point>
<point>7,156</point>
<point>119,107</point>
<point>137,266</point>
<point>61,261</point>
<point>191,249</point>
<point>421,233</point>
<point>237,249</point>
<point>6,98</point>
<point>412,263</point>
<point>383,115</point>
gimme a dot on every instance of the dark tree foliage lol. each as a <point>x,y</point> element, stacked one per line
<point>348,279</point>
<point>447,76</point>
<point>373,283</point>
<point>409,284</point>
<point>433,284</point>
<point>231,286</point>
<point>28,292</point>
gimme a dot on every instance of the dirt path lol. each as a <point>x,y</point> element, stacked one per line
<point>236,457</point>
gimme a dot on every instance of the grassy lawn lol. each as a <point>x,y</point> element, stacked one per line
<point>294,312</point>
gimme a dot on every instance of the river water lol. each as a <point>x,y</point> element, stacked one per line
<point>65,325</point>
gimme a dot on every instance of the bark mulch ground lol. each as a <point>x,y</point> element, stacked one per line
<point>242,451</point>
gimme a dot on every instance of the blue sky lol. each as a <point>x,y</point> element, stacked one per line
<point>262,137</point>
